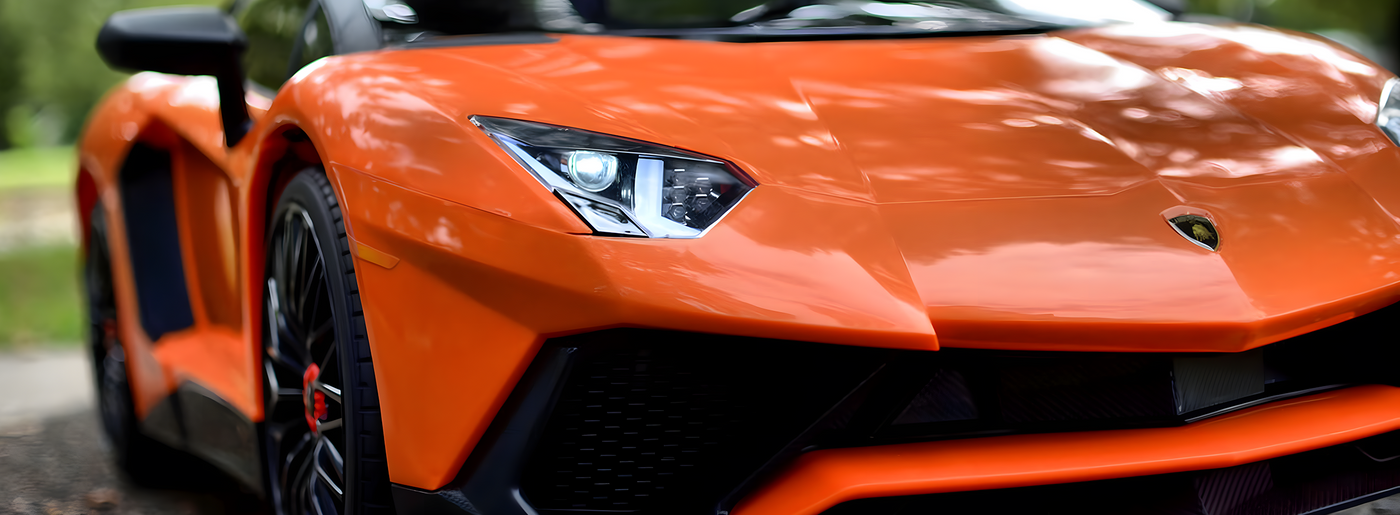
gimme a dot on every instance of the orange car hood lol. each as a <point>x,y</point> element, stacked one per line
<point>897,121</point>
<point>1025,179</point>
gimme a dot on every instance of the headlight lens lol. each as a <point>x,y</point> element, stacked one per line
<point>621,186</point>
<point>1388,117</point>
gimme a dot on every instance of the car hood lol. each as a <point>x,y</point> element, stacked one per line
<point>922,120</point>
<point>1025,181</point>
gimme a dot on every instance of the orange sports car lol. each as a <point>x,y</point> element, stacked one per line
<point>796,257</point>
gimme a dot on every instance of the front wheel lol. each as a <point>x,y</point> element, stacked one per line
<point>323,443</point>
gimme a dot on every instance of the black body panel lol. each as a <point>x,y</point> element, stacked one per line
<point>220,433</point>
<point>198,421</point>
<point>153,240</point>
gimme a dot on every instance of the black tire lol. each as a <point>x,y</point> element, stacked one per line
<point>312,318</point>
<point>144,460</point>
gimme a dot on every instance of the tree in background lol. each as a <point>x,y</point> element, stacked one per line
<point>1374,18</point>
<point>50,74</point>
<point>1369,25</point>
<point>9,77</point>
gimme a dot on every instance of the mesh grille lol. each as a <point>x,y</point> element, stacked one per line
<point>671,429</point>
<point>630,427</point>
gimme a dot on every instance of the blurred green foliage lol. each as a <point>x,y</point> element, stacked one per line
<point>37,167</point>
<point>271,27</point>
<point>39,296</point>
<point>1375,19</point>
<point>50,74</point>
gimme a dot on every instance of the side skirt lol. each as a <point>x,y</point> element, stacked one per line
<point>198,421</point>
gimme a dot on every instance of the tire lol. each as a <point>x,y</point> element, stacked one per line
<point>144,460</point>
<point>322,439</point>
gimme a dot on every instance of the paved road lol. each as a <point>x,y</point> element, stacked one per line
<point>38,383</point>
<point>54,461</point>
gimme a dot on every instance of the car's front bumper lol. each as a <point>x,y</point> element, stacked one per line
<point>652,422</point>
<point>823,479</point>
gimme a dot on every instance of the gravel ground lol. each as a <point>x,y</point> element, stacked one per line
<point>61,466</point>
<point>54,459</point>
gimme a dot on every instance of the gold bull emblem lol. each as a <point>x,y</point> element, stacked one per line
<point>1199,229</point>
<point>1201,233</point>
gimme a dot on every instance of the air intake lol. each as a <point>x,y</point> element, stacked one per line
<point>670,423</point>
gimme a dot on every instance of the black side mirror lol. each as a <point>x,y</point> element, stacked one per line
<point>184,41</point>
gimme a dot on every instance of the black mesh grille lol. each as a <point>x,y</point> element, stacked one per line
<point>631,427</point>
<point>670,423</point>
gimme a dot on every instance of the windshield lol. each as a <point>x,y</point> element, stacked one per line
<point>408,20</point>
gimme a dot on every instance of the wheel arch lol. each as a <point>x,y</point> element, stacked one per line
<point>282,151</point>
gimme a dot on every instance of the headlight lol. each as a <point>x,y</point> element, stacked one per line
<point>1388,116</point>
<point>621,186</point>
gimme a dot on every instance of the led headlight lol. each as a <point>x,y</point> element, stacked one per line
<point>592,171</point>
<point>1388,116</point>
<point>621,186</point>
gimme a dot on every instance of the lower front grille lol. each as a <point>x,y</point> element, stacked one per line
<point>1316,482</point>
<point>648,421</point>
<point>635,426</point>
<point>644,421</point>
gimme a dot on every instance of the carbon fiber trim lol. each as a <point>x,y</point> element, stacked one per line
<point>1205,381</point>
<point>1222,490</point>
<point>1067,388</point>
<point>946,398</point>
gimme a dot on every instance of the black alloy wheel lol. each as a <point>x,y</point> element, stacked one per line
<point>108,360</point>
<point>144,460</point>
<point>323,444</point>
<point>108,357</point>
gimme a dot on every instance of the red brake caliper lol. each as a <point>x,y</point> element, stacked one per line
<point>314,400</point>
<point>109,332</point>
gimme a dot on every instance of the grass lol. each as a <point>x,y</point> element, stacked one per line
<point>39,289</point>
<point>28,167</point>
<point>39,294</point>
